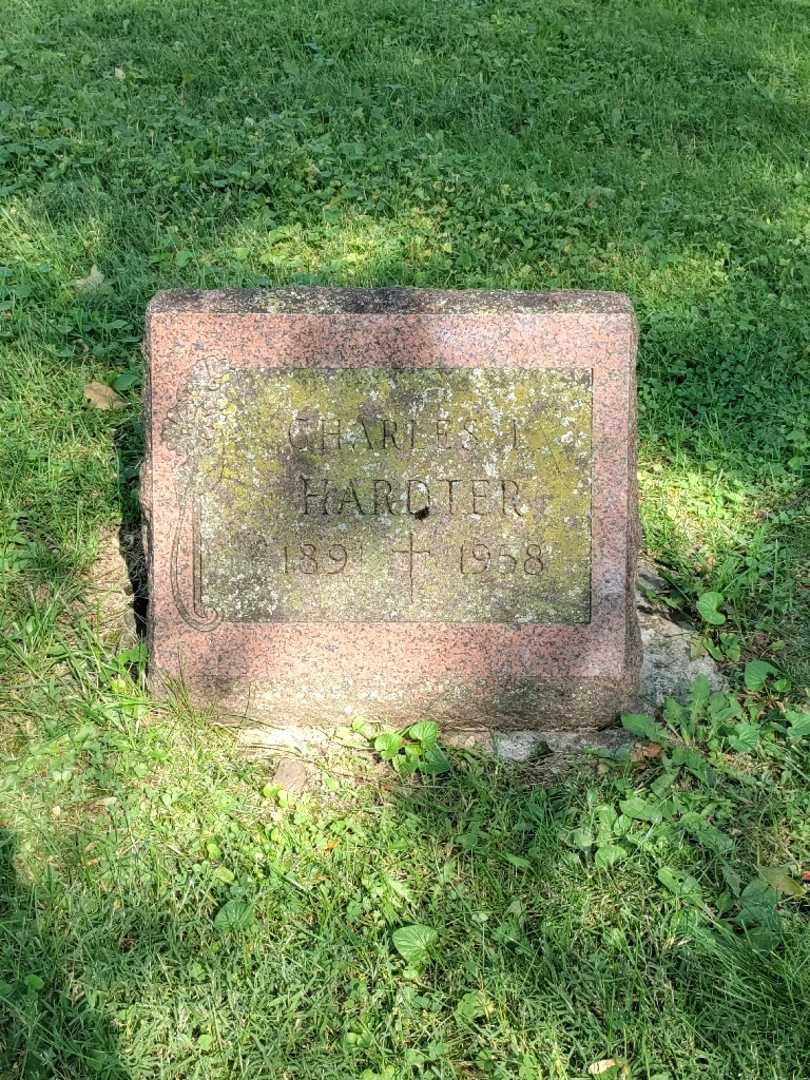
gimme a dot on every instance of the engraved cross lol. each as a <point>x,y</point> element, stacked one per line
<point>411,551</point>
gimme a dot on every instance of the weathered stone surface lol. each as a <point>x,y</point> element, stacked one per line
<point>113,599</point>
<point>668,667</point>
<point>394,502</point>
<point>523,746</point>
<point>295,776</point>
<point>371,495</point>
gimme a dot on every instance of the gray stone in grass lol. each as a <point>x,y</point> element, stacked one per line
<point>668,667</point>
<point>527,746</point>
<point>294,776</point>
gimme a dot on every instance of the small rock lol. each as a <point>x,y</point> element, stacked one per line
<point>525,746</point>
<point>110,594</point>
<point>668,668</point>
<point>293,776</point>
<point>468,738</point>
<point>519,745</point>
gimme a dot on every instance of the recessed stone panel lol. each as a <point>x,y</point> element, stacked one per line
<point>378,495</point>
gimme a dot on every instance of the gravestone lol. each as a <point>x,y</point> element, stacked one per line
<point>396,503</point>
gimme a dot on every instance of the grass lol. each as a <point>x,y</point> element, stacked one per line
<point>658,148</point>
<point>584,920</point>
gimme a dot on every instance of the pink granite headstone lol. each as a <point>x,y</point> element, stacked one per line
<point>395,503</point>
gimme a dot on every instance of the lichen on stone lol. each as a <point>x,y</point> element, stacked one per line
<point>374,494</point>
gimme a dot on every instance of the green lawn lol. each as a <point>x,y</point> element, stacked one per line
<point>658,148</point>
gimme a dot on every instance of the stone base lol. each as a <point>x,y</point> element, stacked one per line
<point>496,704</point>
<point>300,750</point>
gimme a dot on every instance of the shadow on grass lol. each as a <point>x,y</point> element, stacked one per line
<point>129,449</point>
<point>605,959</point>
<point>541,964</point>
<point>48,1028</point>
<point>652,149</point>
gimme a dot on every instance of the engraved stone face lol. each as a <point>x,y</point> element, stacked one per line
<point>379,495</point>
<point>393,503</point>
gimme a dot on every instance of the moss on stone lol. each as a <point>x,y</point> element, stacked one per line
<point>505,458</point>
